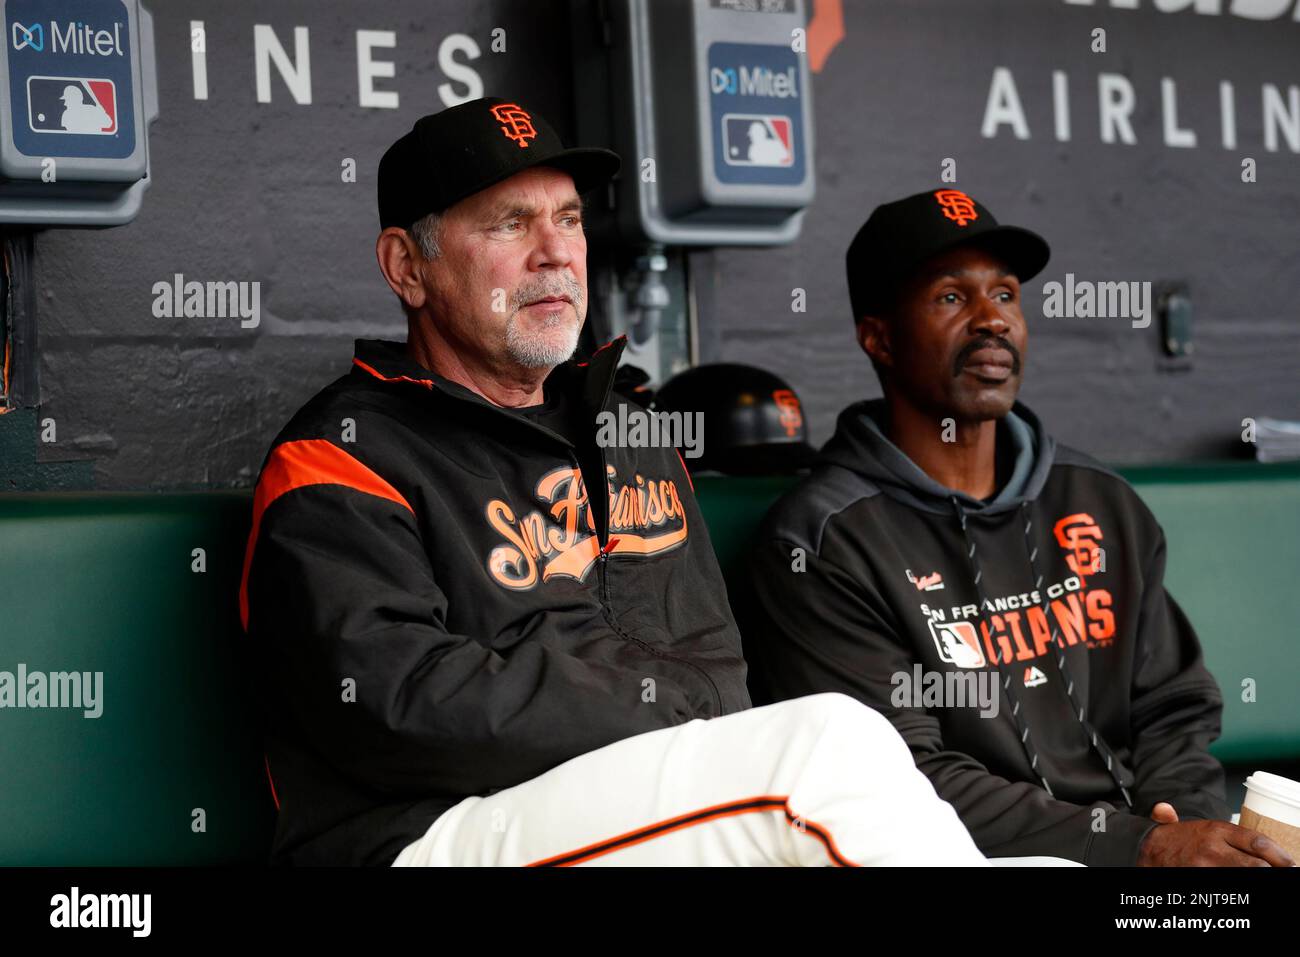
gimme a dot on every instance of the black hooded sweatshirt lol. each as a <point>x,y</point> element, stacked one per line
<point>871,579</point>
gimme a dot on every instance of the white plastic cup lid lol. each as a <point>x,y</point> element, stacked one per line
<point>1275,786</point>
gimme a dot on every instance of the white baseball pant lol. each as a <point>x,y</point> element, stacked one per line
<point>815,781</point>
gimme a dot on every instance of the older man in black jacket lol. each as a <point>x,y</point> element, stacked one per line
<point>487,638</point>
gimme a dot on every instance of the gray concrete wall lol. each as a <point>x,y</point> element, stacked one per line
<point>903,91</point>
<point>244,190</point>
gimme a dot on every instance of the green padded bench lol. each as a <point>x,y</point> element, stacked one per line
<point>172,770</point>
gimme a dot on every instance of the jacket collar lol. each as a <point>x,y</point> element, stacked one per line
<point>386,360</point>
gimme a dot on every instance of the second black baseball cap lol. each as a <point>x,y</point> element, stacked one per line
<point>454,154</point>
<point>899,237</point>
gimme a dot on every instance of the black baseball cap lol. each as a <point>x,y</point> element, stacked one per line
<point>899,237</point>
<point>450,155</point>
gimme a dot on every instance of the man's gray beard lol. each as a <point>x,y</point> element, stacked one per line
<point>536,350</point>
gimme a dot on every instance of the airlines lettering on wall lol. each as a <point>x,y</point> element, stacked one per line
<point>294,69</point>
<point>1247,9</point>
<point>1120,101</point>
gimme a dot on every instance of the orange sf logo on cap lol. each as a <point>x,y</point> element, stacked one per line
<point>787,404</point>
<point>516,123</point>
<point>957,206</point>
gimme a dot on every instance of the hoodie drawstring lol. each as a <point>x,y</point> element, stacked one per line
<point>1098,742</point>
<point>978,576</point>
<point>1095,739</point>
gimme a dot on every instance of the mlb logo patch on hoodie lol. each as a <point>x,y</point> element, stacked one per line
<point>958,643</point>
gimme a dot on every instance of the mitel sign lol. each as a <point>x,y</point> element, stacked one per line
<point>70,78</point>
<point>78,88</point>
<point>81,39</point>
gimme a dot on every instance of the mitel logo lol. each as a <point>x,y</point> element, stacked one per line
<point>754,81</point>
<point>33,36</point>
<point>722,81</point>
<point>79,38</point>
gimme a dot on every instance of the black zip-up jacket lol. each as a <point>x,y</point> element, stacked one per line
<point>437,617</point>
<point>870,575</point>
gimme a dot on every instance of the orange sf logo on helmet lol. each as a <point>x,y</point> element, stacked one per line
<point>787,404</point>
<point>516,123</point>
<point>1079,535</point>
<point>957,206</point>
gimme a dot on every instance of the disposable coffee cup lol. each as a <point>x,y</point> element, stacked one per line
<point>1272,807</point>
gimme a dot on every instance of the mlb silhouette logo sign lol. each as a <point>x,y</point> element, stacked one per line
<point>757,115</point>
<point>752,139</point>
<point>72,88</point>
<point>72,104</point>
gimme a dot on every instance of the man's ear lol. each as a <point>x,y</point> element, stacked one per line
<point>400,261</point>
<point>873,337</point>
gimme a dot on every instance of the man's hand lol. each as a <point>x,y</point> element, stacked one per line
<point>1177,843</point>
<point>1164,813</point>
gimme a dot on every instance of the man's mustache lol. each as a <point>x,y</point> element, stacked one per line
<point>558,286</point>
<point>988,342</point>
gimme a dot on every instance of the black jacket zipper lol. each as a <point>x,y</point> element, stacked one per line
<point>607,606</point>
<point>602,538</point>
<point>608,612</point>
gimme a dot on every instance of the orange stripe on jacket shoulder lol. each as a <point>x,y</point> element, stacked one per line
<point>307,462</point>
